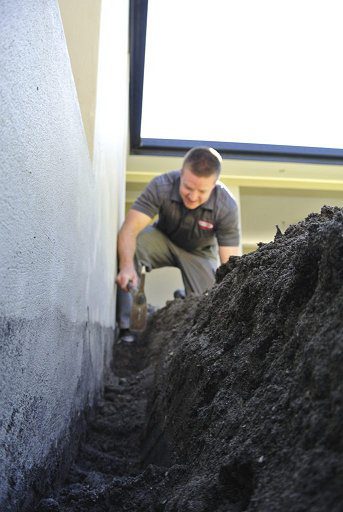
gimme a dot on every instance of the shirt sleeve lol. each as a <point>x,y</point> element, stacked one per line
<point>227,225</point>
<point>149,201</point>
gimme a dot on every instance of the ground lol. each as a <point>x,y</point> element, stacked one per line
<point>231,401</point>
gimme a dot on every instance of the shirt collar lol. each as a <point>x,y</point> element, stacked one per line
<point>209,205</point>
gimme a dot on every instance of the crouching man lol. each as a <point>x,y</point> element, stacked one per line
<point>197,221</point>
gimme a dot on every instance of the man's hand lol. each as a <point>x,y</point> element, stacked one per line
<point>126,275</point>
<point>226,252</point>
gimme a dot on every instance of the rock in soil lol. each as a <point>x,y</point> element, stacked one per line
<point>232,402</point>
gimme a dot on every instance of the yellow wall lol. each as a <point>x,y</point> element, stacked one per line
<point>81,23</point>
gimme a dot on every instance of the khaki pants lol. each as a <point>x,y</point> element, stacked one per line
<point>155,250</point>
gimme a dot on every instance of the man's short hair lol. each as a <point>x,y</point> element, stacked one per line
<point>203,161</point>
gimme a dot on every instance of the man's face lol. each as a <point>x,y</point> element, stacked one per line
<point>195,190</point>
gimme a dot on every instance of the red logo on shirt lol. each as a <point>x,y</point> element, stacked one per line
<point>204,224</point>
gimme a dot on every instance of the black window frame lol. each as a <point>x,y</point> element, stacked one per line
<point>173,147</point>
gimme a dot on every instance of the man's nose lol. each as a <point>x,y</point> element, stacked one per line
<point>192,196</point>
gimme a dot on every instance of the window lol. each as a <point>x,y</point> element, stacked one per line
<point>252,79</point>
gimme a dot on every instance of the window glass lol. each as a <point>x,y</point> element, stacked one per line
<point>247,71</point>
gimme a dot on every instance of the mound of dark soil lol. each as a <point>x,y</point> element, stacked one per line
<point>251,398</point>
<point>244,406</point>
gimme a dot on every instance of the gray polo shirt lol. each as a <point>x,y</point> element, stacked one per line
<point>190,229</point>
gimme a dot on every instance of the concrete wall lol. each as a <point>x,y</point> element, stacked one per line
<point>58,222</point>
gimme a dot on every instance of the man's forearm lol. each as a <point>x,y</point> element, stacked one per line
<point>126,247</point>
<point>134,223</point>
<point>126,252</point>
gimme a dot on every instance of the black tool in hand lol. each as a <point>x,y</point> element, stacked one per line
<point>139,310</point>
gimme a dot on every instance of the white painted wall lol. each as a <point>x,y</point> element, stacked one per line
<point>110,144</point>
<point>58,222</point>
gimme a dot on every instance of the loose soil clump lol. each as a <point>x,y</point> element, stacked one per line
<point>233,400</point>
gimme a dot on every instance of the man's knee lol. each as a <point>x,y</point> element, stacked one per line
<point>152,248</point>
<point>143,244</point>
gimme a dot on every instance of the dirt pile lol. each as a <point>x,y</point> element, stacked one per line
<point>243,389</point>
<point>250,396</point>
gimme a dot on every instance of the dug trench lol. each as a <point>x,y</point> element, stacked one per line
<point>231,401</point>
